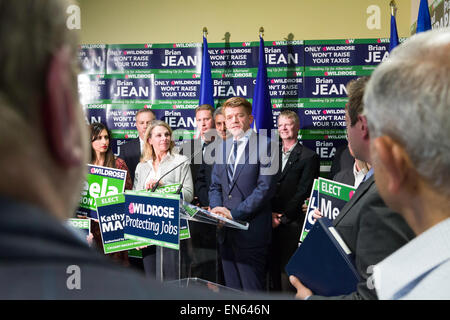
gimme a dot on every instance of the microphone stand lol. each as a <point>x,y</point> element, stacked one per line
<point>178,165</point>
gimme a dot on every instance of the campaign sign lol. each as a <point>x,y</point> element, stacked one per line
<point>329,197</point>
<point>153,218</point>
<point>111,213</point>
<point>333,196</point>
<point>176,89</point>
<point>322,118</point>
<point>93,88</point>
<point>184,226</point>
<point>312,205</point>
<point>179,119</point>
<point>100,181</point>
<point>95,113</point>
<point>327,147</point>
<point>92,58</point>
<point>343,52</point>
<point>84,225</point>
<point>131,89</point>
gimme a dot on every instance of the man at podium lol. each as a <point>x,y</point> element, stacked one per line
<point>241,188</point>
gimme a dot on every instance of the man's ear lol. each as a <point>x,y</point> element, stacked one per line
<point>60,120</point>
<point>364,128</point>
<point>394,160</point>
<point>251,118</point>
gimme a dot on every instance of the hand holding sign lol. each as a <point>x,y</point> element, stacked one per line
<point>317,214</point>
<point>326,200</point>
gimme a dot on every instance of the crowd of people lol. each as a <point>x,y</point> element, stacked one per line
<point>397,223</point>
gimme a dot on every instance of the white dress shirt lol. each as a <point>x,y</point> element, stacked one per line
<point>418,270</point>
<point>359,175</point>
<point>141,143</point>
<point>145,172</point>
<point>242,142</point>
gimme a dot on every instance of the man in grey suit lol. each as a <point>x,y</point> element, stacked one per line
<point>371,230</point>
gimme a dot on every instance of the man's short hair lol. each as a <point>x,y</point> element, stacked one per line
<point>23,68</point>
<point>355,91</point>
<point>27,46</point>
<point>202,107</point>
<point>218,111</point>
<point>290,115</point>
<point>408,99</point>
<point>238,102</point>
<point>145,110</point>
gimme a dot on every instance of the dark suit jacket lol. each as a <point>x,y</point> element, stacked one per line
<point>342,160</point>
<point>295,182</point>
<point>189,148</point>
<point>248,196</point>
<point>345,176</point>
<point>36,251</point>
<point>372,232</point>
<point>204,172</point>
<point>131,153</point>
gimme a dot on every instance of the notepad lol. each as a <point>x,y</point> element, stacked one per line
<point>324,263</point>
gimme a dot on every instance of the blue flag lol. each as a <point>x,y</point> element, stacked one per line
<point>206,84</point>
<point>393,41</point>
<point>423,18</point>
<point>262,107</point>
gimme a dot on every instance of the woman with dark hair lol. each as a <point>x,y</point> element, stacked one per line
<point>101,152</point>
<point>102,155</point>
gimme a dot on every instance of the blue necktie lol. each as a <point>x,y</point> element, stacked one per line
<point>232,161</point>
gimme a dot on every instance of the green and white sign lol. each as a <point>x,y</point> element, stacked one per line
<point>83,225</point>
<point>153,218</point>
<point>329,197</point>
<point>100,182</point>
<point>111,216</point>
<point>333,196</point>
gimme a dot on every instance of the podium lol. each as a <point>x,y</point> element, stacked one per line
<point>158,223</point>
<point>197,257</point>
<point>190,212</point>
<point>203,284</point>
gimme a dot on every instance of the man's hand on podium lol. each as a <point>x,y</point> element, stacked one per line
<point>222,211</point>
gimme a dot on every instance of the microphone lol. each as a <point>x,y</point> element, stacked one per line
<point>178,165</point>
<point>181,184</point>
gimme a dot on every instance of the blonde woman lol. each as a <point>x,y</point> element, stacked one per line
<point>158,158</point>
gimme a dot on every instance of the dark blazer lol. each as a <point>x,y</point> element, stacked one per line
<point>203,183</point>
<point>342,160</point>
<point>345,176</point>
<point>372,231</point>
<point>293,187</point>
<point>204,172</point>
<point>189,148</point>
<point>131,153</point>
<point>295,182</point>
<point>249,194</point>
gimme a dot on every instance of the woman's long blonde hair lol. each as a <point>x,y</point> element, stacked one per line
<point>148,152</point>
